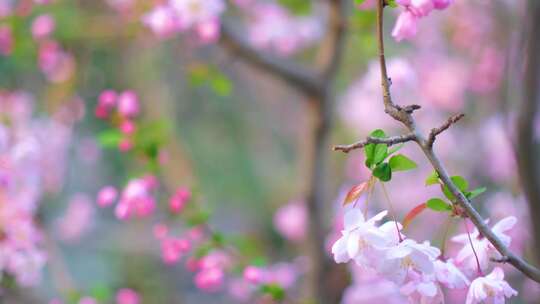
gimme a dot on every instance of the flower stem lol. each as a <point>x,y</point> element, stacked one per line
<point>392,213</point>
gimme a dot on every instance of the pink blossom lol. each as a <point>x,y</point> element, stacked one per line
<point>172,249</point>
<point>106,196</point>
<point>283,274</point>
<point>43,26</point>
<point>208,31</point>
<point>136,200</point>
<point>441,4</point>
<point>421,8</point>
<point>57,65</point>
<point>107,99</point>
<point>272,27</point>
<point>490,289</point>
<point>160,231</point>
<point>291,221</point>
<point>127,127</point>
<point>210,279</point>
<point>179,200</point>
<point>406,26</point>
<point>252,274</point>
<point>240,290</point>
<point>408,255</point>
<point>125,145</point>
<point>448,274</point>
<point>161,20</point>
<point>359,238</point>
<point>6,8</point>
<point>128,104</point>
<point>422,289</point>
<point>127,296</point>
<point>483,247</point>
<point>122,6</point>
<point>87,300</point>
<point>6,40</point>
<point>78,218</point>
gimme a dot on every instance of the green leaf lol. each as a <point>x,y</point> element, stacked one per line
<point>101,292</point>
<point>476,192</point>
<point>375,153</point>
<point>110,138</point>
<point>359,2</point>
<point>460,182</point>
<point>401,162</point>
<point>299,7</point>
<point>392,3</point>
<point>432,179</point>
<point>383,172</point>
<point>395,148</point>
<point>274,290</point>
<point>439,205</point>
<point>380,153</point>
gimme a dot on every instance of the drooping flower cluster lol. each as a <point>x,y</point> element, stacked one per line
<point>406,24</point>
<point>416,267</point>
<point>121,109</point>
<point>25,143</point>
<point>200,17</point>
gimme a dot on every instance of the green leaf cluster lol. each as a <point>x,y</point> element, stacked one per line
<point>376,154</point>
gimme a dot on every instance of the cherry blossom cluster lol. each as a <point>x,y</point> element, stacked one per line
<point>406,24</point>
<point>135,201</point>
<point>54,62</point>
<point>29,147</point>
<point>121,109</point>
<point>200,17</point>
<point>418,268</point>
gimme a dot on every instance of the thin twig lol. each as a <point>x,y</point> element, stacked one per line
<point>436,131</point>
<point>375,140</point>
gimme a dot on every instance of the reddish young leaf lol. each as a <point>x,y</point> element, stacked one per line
<point>355,193</point>
<point>412,214</point>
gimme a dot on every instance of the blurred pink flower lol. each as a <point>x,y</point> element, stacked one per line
<point>128,104</point>
<point>272,27</point>
<point>88,300</point>
<point>291,221</point>
<point>57,65</point>
<point>43,26</point>
<point>209,279</point>
<point>253,274</point>
<point>128,127</point>
<point>136,200</point>
<point>127,296</point>
<point>161,20</point>
<point>106,196</point>
<point>6,40</point>
<point>77,219</point>
<point>179,199</point>
<point>160,231</point>
<point>107,99</point>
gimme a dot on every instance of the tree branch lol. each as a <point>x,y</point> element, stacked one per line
<point>376,140</point>
<point>304,79</point>
<point>526,147</point>
<point>407,119</point>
